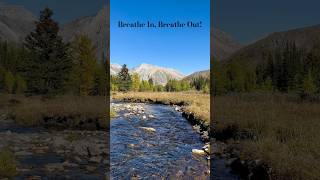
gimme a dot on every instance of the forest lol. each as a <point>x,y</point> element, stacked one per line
<point>43,64</point>
<point>124,81</point>
<point>284,68</point>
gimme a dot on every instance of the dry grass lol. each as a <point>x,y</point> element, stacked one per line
<point>198,103</point>
<point>31,111</point>
<point>8,164</point>
<point>279,129</point>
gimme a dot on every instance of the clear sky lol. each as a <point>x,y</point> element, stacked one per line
<point>64,10</point>
<point>248,20</point>
<point>185,49</point>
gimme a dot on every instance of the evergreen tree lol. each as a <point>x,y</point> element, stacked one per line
<point>48,66</point>
<point>124,79</point>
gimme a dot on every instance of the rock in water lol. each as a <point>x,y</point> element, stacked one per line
<point>149,129</point>
<point>198,152</point>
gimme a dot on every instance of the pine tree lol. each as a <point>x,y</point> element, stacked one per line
<point>48,66</point>
<point>124,79</point>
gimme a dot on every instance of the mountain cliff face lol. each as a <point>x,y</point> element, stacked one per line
<point>95,27</point>
<point>15,22</point>
<point>159,75</point>
<point>223,45</point>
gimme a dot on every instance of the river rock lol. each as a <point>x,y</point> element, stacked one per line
<point>96,159</point>
<point>197,128</point>
<point>54,167</point>
<point>60,141</point>
<point>148,129</point>
<point>198,152</point>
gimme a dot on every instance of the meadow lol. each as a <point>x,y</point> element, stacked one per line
<point>68,109</point>
<point>280,129</point>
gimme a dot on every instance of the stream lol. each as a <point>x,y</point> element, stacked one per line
<point>151,141</point>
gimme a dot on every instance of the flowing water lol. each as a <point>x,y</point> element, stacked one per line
<point>163,153</point>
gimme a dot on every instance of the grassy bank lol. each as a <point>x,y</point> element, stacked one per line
<point>71,110</point>
<point>278,129</point>
<point>197,103</point>
<point>8,164</point>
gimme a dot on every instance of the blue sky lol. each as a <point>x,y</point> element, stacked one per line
<point>248,20</point>
<point>185,49</point>
<point>64,10</point>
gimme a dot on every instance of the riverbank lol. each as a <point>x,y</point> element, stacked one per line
<point>274,135</point>
<point>59,112</point>
<point>195,106</point>
<point>53,137</point>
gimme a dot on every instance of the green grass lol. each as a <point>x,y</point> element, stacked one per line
<point>8,164</point>
<point>278,129</point>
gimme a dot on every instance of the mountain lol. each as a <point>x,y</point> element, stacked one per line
<point>15,22</point>
<point>96,27</point>
<point>205,74</point>
<point>223,44</point>
<point>115,69</point>
<point>159,75</point>
<point>303,37</point>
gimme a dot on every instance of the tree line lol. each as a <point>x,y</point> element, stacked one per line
<point>124,81</point>
<point>284,68</point>
<point>46,65</point>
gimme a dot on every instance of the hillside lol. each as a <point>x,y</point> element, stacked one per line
<point>303,37</point>
<point>205,74</point>
<point>223,44</point>
<point>16,23</point>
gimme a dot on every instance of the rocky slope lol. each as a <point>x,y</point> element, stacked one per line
<point>223,44</point>
<point>95,27</point>
<point>15,22</point>
<point>305,38</point>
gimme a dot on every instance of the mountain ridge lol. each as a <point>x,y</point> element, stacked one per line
<point>159,75</point>
<point>16,22</point>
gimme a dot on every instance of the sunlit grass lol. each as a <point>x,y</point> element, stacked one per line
<point>278,129</point>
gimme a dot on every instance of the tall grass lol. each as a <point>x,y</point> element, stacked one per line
<point>279,129</point>
<point>31,111</point>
